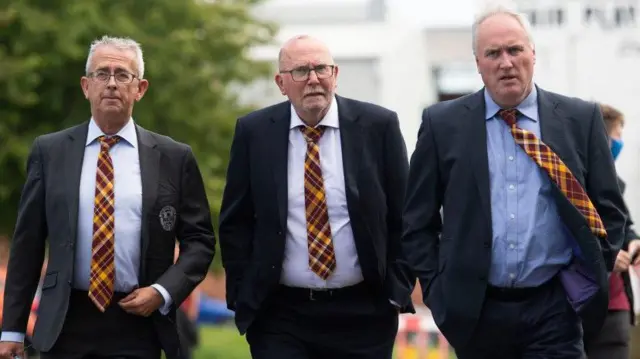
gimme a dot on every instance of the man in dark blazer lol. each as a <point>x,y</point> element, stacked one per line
<point>110,198</point>
<point>310,226</point>
<point>532,217</point>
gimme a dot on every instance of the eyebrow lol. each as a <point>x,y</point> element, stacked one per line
<point>509,47</point>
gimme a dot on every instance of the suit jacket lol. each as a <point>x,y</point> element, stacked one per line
<point>449,168</point>
<point>630,235</point>
<point>49,210</point>
<point>254,205</point>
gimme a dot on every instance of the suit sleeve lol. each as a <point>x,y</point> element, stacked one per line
<point>237,216</point>
<point>194,233</point>
<point>603,189</point>
<point>400,278</point>
<point>27,247</point>
<point>422,222</point>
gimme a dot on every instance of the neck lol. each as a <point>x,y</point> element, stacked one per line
<point>110,125</point>
<point>312,118</point>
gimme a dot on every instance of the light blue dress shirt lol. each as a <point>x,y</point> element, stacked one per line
<point>128,213</point>
<point>530,242</point>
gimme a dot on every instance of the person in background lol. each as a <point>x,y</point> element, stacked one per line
<point>612,342</point>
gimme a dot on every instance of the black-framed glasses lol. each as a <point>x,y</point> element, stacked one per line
<point>122,77</point>
<point>302,73</point>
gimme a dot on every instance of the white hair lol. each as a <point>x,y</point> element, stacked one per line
<point>119,43</point>
<point>496,10</point>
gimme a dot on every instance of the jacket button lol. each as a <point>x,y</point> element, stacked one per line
<point>482,278</point>
<point>279,233</point>
<point>487,245</point>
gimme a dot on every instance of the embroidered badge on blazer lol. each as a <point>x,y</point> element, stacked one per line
<point>167,218</point>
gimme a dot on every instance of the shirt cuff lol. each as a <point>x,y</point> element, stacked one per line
<point>12,337</point>
<point>164,309</point>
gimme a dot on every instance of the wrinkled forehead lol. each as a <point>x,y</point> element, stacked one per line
<point>112,58</point>
<point>305,53</point>
<point>501,31</point>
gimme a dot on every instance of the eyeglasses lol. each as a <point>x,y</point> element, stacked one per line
<point>302,73</point>
<point>121,77</point>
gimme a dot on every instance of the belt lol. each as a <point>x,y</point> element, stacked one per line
<point>512,294</point>
<point>79,294</point>
<point>317,294</point>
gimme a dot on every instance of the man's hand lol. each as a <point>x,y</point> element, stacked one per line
<point>634,247</point>
<point>622,262</point>
<point>142,301</point>
<point>10,349</point>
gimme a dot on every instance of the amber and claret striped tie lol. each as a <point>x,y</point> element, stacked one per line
<point>557,170</point>
<point>103,271</point>
<point>322,258</point>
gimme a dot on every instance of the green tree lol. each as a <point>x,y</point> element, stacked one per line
<point>195,53</point>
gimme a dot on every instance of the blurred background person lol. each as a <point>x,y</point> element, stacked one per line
<point>613,340</point>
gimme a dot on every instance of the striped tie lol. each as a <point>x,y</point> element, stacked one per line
<point>103,271</point>
<point>322,259</point>
<point>557,171</point>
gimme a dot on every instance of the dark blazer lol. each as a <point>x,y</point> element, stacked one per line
<point>630,235</point>
<point>254,205</point>
<point>449,168</point>
<point>49,210</point>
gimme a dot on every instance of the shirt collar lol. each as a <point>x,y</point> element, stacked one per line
<point>127,133</point>
<point>330,119</point>
<point>528,107</point>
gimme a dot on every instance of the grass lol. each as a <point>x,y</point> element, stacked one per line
<point>221,342</point>
<point>224,342</point>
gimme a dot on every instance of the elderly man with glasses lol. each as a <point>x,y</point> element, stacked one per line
<point>111,198</point>
<point>311,218</point>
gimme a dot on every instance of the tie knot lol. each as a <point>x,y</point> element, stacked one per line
<point>509,116</point>
<point>107,142</point>
<point>312,134</point>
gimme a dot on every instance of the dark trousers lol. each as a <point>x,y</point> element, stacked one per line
<point>531,323</point>
<point>613,340</point>
<point>88,333</point>
<point>347,324</point>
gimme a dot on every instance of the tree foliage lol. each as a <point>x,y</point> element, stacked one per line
<point>195,53</point>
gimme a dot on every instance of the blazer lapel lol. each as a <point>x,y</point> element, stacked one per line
<point>477,142</point>
<point>278,139</point>
<point>351,141</point>
<point>149,167</point>
<point>74,153</point>
<point>551,126</point>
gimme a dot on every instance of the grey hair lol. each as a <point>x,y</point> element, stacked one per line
<point>121,43</point>
<point>496,10</point>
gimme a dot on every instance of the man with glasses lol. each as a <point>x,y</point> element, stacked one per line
<point>111,198</point>
<point>311,217</point>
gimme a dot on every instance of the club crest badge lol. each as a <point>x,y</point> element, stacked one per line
<point>167,218</point>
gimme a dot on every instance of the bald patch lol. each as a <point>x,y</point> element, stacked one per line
<point>301,44</point>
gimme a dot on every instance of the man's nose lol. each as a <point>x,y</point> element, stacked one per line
<point>313,77</point>
<point>506,61</point>
<point>111,83</point>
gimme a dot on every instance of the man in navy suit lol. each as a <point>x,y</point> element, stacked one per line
<point>533,216</point>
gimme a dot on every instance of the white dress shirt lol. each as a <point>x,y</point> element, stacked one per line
<point>295,268</point>
<point>128,213</point>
